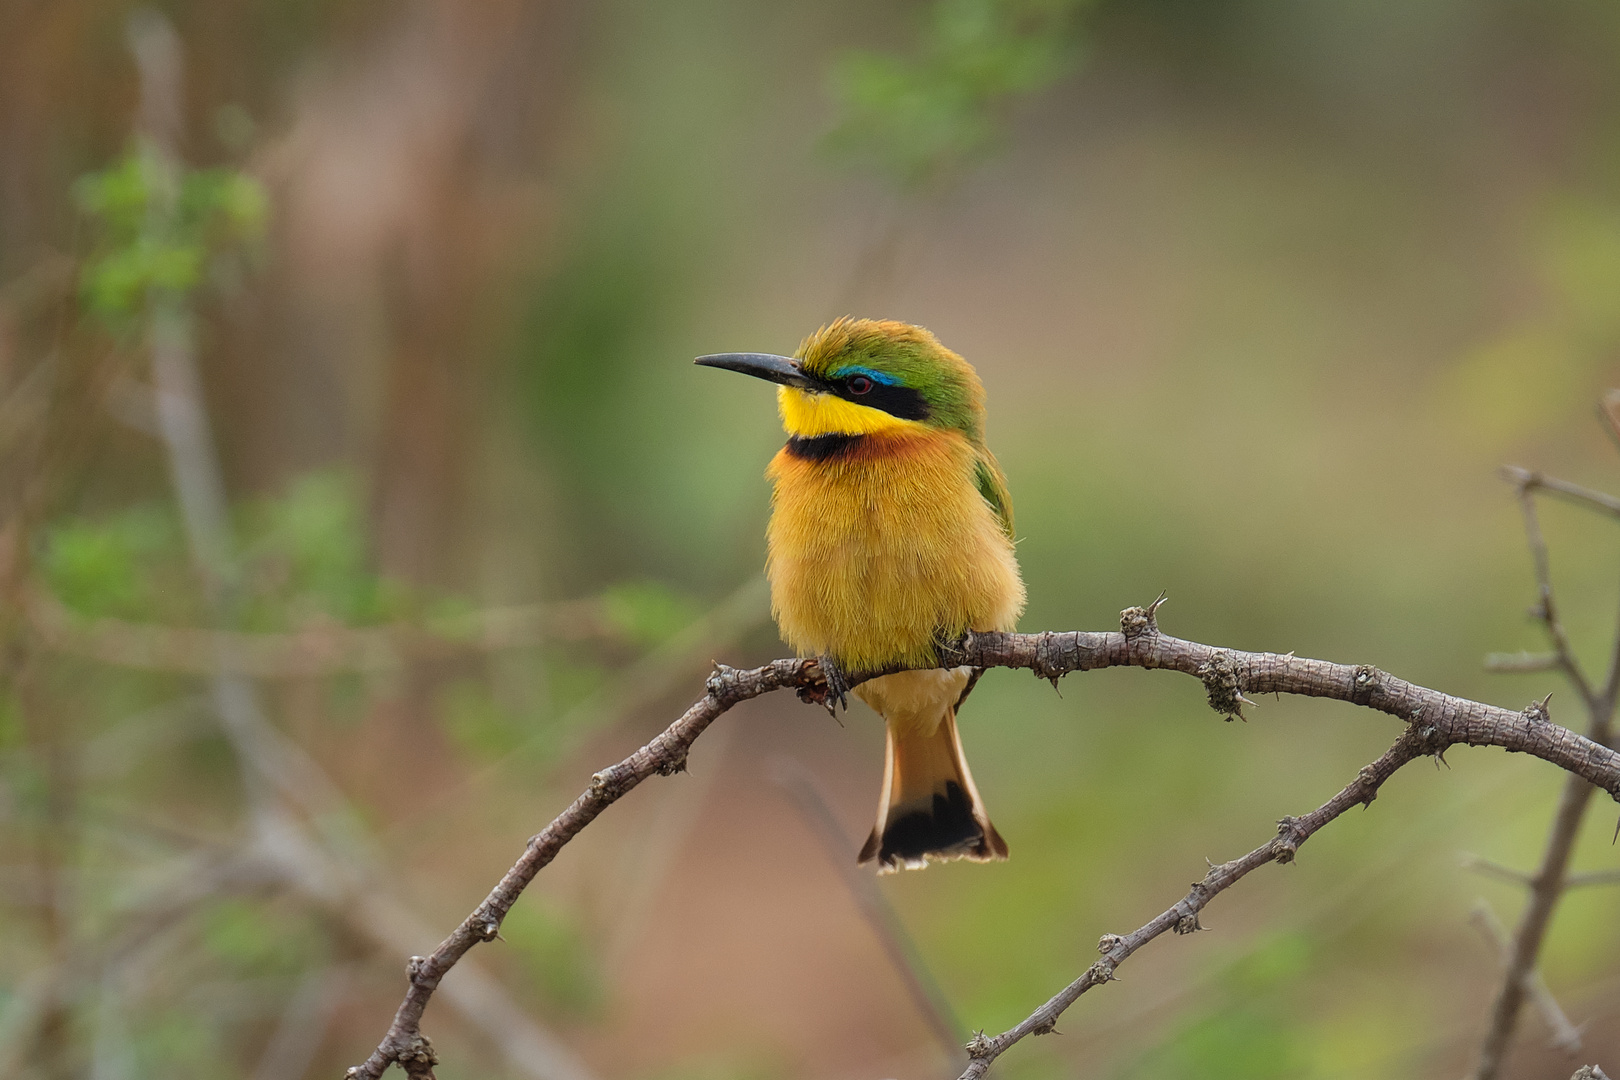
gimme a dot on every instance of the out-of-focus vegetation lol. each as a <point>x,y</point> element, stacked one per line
<point>212,208</point>
<point>1262,293</point>
<point>915,115</point>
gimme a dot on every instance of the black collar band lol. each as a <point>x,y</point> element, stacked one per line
<point>822,447</point>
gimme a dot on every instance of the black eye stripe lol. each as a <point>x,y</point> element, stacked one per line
<point>901,401</point>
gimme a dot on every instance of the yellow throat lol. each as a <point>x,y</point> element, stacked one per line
<point>806,415</point>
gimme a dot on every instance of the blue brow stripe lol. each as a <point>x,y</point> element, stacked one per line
<point>875,376</point>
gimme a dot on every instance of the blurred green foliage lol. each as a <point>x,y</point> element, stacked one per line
<point>1249,1031</point>
<point>477,721</point>
<point>181,1045</point>
<point>305,555</point>
<point>648,612</point>
<point>914,115</point>
<point>259,939</point>
<point>125,565</point>
<point>305,558</point>
<point>158,226</point>
<point>555,957</point>
<point>637,615</point>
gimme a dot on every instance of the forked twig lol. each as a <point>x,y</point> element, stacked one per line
<point>1546,609</point>
<point>1552,878</point>
<point>1535,481</point>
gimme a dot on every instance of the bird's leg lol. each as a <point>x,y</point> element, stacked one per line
<point>834,693</point>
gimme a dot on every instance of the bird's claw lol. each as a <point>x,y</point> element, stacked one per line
<point>834,690</point>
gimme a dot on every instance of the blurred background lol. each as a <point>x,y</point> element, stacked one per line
<point>362,332</point>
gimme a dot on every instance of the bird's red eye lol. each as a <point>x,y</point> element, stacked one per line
<point>860,384</point>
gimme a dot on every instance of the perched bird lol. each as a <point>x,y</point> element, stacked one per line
<point>891,531</point>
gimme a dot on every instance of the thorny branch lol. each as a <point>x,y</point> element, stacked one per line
<point>1435,721</point>
<point>1546,608</point>
<point>1552,879</point>
<point>1182,917</point>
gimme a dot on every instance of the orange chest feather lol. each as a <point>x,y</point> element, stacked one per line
<point>876,551</point>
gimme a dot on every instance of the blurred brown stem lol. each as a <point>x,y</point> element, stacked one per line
<point>1435,722</point>
<point>1565,1035</point>
<point>37,453</point>
<point>56,856</point>
<point>317,650</point>
<point>1527,480</point>
<point>908,962</point>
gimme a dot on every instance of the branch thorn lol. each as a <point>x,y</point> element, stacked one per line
<point>1536,712</point>
<point>718,679</point>
<point>1134,622</point>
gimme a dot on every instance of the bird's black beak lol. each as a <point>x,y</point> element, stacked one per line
<point>776,369</point>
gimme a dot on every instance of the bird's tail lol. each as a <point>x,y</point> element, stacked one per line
<point>930,809</point>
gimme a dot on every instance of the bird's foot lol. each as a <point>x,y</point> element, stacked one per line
<point>833,690</point>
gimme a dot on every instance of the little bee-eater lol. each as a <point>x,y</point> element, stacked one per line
<point>891,531</point>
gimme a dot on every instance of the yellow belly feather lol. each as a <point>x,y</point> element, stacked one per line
<point>874,554</point>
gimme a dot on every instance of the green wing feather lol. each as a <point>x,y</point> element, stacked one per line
<point>993,486</point>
